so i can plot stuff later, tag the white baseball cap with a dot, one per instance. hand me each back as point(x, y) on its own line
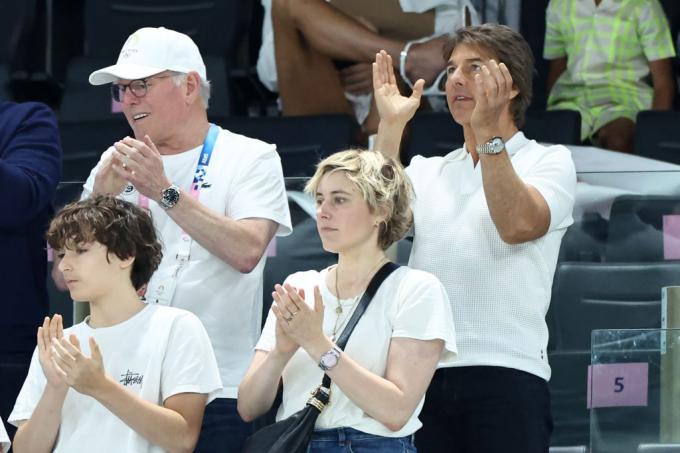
point(149, 51)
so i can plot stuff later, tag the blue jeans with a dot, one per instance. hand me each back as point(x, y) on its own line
point(349, 440)
point(222, 431)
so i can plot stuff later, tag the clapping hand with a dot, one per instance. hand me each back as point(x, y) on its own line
point(300, 322)
point(51, 330)
point(141, 163)
point(284, 344)
point(85, 374)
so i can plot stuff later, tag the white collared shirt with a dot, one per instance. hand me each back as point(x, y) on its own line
point(499, 292)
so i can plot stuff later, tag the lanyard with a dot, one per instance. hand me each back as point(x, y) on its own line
point(199, 176)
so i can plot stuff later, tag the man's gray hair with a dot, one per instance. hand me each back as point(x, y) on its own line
point(180, 77)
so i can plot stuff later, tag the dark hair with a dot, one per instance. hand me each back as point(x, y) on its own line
point(123, 228)
point(506, 46)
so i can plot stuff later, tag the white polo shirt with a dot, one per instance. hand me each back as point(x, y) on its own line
point(499, 293)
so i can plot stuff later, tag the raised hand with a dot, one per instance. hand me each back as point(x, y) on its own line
point(85, 374)
point(493, 91)
point(392, 106)
point(51, 329)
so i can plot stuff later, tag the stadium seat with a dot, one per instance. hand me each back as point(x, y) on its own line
point(301, 141)
point(553, 126)
point(657, 135)
point(432, 134)
point(591, 296)
point(84, 141)
point(635, 231)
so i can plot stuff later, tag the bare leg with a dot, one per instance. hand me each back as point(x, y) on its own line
point(308, 80)
point(340, 37)
point(616, 135)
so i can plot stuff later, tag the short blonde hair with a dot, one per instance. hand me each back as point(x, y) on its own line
point(383, 183)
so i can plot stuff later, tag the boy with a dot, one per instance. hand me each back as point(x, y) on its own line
point(132, 377)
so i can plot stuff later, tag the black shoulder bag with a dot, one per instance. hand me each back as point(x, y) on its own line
point(292, 435)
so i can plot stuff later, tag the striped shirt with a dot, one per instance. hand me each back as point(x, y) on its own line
point(608, 49)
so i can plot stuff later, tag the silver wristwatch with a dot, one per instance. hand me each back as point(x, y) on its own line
point(169, 197)
point(330, 358)
point(493, 146)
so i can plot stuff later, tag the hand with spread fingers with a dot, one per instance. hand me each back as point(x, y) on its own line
point(493, 91)
point(300, 322)
point(140, 163)
point(51, 330)
point(85, 374)
point(392, 106)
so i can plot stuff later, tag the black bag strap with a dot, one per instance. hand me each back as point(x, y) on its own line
point(371, 289)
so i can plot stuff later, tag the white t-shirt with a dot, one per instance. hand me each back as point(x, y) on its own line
point(4, 439)
point(409, 303)
point(499, 293)
point(157, 353)
point(244, 180)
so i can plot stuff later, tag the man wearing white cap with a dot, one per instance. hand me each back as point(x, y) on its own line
point(216, 198)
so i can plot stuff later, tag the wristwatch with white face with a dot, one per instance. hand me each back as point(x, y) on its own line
point(330, 358)
point(493, 146)
point(169, 197)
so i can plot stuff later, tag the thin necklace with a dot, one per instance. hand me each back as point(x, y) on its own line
point(338, 308)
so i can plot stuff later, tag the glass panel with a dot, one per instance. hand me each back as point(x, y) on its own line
point(635, 382)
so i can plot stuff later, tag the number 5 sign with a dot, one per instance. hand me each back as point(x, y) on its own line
point(618, 384)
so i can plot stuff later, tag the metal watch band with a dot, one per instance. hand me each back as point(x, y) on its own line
point(330, 359)
point(169, 197)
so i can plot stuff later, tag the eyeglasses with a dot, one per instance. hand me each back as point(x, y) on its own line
point(137, 87)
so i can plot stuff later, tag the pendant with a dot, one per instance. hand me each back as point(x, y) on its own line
point(338, 309)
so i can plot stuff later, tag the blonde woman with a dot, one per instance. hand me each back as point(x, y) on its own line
point(379, 380)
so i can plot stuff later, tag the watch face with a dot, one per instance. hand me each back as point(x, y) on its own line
point(170, 197)
point(329, 360)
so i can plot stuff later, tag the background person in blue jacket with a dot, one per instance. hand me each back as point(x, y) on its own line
point(30, 167)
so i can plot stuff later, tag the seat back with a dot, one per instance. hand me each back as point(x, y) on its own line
point(553, 126)
point(635, 231)
point(84, 142)
point(301, 141)
point(213, 25)
point(590, 296)
point(657, 135)
point(432, 134)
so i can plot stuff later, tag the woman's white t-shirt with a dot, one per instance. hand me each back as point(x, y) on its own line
point(410, 303)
